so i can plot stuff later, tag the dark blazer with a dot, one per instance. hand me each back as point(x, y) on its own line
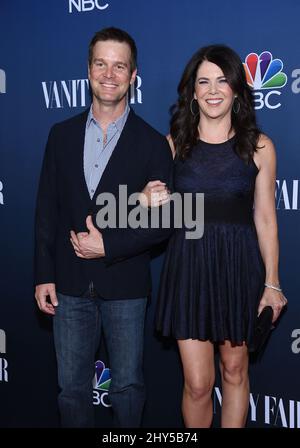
point(63, 203)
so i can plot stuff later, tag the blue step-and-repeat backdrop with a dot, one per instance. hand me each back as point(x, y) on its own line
point(43, 80)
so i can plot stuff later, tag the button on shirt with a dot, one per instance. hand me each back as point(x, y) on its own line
point(97, 152)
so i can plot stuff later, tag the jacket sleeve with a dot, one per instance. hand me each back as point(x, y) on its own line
point(128, 242)
point(46, 216)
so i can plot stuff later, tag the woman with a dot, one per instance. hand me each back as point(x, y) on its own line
point(213, 288)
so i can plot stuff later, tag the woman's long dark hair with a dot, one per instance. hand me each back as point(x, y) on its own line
point(184, 123)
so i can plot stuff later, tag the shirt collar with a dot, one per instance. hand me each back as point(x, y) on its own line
point(119, 123)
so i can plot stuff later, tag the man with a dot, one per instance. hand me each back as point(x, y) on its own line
point(93, 281)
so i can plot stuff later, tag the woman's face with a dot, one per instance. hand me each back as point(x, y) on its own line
point(212, 91)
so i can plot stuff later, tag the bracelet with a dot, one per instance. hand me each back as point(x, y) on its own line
point(277, 288)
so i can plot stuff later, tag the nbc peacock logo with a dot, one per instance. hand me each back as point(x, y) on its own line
point(102, 376)
point(101, 383)
point(263, 72)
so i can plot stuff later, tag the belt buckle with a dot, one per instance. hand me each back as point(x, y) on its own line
point(92, 290)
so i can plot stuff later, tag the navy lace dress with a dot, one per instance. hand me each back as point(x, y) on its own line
point(210, 287)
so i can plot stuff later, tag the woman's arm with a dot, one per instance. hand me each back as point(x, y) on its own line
point(170, 141)
point(266, 223)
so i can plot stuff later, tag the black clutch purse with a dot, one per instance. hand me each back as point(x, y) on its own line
point(262, 328)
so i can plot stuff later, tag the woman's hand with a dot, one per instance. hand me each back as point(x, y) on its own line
point(154, 194)
point(272, 298)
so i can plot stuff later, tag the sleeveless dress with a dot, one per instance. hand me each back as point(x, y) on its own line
point(210, 287)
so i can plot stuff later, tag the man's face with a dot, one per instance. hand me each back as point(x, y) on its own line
point(110, 72)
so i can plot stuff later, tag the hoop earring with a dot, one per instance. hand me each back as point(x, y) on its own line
point(191, 108)
point(236, 105)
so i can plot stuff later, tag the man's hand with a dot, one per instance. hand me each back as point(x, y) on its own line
point(88, 244)
point(41, 293)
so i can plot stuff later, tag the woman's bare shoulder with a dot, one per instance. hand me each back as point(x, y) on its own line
point(171, 143)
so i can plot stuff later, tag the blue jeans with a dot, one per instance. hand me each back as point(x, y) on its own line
point(78, 324)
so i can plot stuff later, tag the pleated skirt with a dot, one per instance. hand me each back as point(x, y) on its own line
point(210, 288)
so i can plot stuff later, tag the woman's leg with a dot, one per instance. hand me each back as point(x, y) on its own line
point(199, 376)
point(235, 385)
